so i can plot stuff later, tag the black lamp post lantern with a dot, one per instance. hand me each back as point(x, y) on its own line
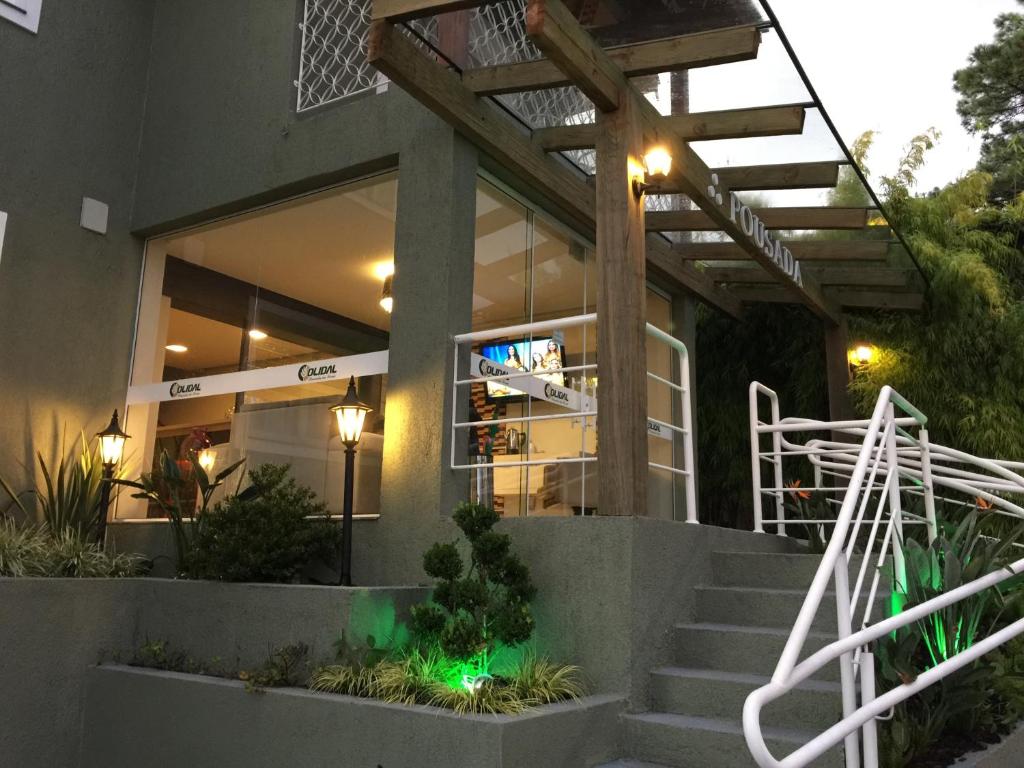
point(111, 448)
point(351, 413)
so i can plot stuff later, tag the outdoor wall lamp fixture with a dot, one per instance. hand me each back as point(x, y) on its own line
point(111, 448)
point(657, 165)
point(861, 355)
point(387, 302)
point(351, 413)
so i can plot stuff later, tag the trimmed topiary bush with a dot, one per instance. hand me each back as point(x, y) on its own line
point(473, 611)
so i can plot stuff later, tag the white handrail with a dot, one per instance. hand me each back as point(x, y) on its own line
point(579, 404)
point(886, 457)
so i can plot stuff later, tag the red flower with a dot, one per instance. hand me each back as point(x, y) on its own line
point(795, 485)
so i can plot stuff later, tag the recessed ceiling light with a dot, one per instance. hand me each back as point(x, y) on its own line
point(176, 348)
point(257, 335)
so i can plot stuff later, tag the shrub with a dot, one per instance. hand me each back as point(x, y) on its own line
point(33, 551)
point(172, 491)
point(471, 612)
point(268, 535)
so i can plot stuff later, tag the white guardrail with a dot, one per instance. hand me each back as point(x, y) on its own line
point(883, 461)
point(573, 390)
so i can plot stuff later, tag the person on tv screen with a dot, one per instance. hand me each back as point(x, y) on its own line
point(552, 361)
point(513, 360)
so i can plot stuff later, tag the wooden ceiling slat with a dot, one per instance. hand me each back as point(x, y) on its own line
point(402, 10)
point(765, 177)
point(786, 120)
point(678, 53)
point(853, 298)
point(805, 250)
point(871, 277)
point(773, 218)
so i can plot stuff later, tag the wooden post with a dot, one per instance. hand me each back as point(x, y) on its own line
point(837, 373)
point(621, 313)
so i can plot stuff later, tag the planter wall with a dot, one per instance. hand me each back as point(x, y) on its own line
point(52, 630)
point(167, 720)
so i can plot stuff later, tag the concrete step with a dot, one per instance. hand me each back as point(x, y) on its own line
point(774, 570)
point(733, 648)
point(630, 764)
point(778, 608)
point(709, 693)
point(681, 741)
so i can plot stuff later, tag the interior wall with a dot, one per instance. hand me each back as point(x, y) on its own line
point(72, 100)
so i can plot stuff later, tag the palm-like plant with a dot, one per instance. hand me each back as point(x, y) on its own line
point(171, 490)
point(69, 498)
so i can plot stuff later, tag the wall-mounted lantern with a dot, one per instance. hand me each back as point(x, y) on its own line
point(657, 166)
point(861, 355)
point(387, 302)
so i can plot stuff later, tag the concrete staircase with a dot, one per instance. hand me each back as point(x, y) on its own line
point(740, 623)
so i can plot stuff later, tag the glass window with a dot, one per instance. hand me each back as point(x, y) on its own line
point(281, 300)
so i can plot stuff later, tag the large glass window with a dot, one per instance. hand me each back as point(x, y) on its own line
point(248, 329)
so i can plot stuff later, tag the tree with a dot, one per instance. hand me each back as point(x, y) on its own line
point(991, 103)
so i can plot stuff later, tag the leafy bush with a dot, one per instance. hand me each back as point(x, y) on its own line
point(34, 551)
point(471, 612)
point(172, 490)
point(418, 677)
point(266, 535)
point(70, 496)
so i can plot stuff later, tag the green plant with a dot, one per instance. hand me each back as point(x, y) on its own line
point(414, 676)
point(70, 496)
point(157, 654)
point(34, 551)
point(472, 611)
point(268, 535)
point(801, 504)
point(171, 490)
point(287, 666)
point(957, 556)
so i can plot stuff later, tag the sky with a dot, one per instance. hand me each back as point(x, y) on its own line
point(888, 65)
point(884, 65)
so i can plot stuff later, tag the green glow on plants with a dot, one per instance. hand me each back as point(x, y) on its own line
point(468, 675)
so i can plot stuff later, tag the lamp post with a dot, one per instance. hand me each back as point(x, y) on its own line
point(351, 413)
point(111, 447)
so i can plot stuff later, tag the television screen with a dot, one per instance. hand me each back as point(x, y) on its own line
point(545, 357)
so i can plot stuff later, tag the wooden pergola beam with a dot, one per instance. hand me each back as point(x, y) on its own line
point(805, 250)
point(671, 55)
point(589, 65)
point(848, 276)
point(556, 33)
point(661, 260)
point(441, 91)
point(403, 10)
point(853, 298)
point(481, 123)
point(773, 218)
point(785, 120)
point(764, 177)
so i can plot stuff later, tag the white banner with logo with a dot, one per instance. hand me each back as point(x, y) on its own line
point(537, 386)
point(367, 364)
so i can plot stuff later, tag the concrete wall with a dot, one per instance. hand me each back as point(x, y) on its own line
point(72, 101)
point(162, 719)
point(52, 630)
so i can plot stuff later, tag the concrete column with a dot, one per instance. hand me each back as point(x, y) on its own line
point(433, 293)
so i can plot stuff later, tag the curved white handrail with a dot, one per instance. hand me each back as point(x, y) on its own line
point(888, 459)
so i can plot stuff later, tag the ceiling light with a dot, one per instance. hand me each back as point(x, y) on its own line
point(176, 348)
point(257, 335)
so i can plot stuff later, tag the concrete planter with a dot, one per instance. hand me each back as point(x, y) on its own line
point(165, 719)
point(52, 630)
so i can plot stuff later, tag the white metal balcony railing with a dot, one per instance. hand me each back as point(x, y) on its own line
point(882, 463)
point(574, 397)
